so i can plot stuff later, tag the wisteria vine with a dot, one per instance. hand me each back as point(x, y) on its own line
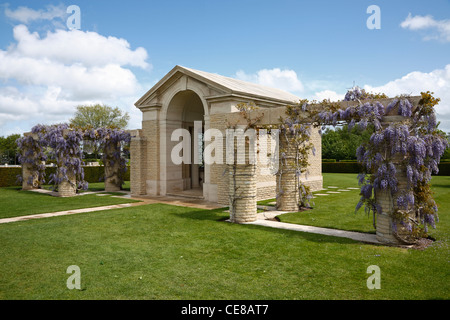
point(412, 141)
point(64, 144)
point(115, 152)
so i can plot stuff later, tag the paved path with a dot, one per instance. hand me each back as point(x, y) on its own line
point(64, 213)
point(358, 236)
point(192, 203)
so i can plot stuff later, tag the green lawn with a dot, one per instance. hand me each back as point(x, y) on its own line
point(338, 210)
point(167, 252)
point(15, 202)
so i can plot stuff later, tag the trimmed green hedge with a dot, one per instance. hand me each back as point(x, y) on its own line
point(8, 175)
point(444, 169)
point(340, 167)
point(353, 167)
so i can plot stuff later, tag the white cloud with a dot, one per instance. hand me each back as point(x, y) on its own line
point(27, 15)
point(68, 47)
point(328, 94)
point(276, 78)
point(437, 81)
point(46, 77)
point(441, 28)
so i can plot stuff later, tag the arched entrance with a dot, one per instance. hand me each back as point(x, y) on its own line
point(185, 111)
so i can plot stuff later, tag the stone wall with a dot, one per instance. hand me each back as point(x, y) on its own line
point(138, 163)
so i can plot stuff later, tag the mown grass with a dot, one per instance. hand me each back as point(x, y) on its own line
point(15, 202)
point(338, 210)
point(160, 251)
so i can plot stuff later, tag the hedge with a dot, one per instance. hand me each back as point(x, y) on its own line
point(340, 167)
point(353, 167)
point(8, 175)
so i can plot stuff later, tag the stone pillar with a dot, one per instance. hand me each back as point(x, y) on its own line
point(30, 178)
point(287, 185)
point(138, 163)
point(113, 181)
point(68, 188)
point(384, 222)
point(242, 186)
point(242, 192)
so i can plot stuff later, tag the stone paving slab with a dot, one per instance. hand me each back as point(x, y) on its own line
point(176, 201)
point(357, 236)
point(64, 213)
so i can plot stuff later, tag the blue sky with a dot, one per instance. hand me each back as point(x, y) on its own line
point(314, 49)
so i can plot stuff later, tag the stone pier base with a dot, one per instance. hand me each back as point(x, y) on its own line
point(242, 192)
point(66, 188)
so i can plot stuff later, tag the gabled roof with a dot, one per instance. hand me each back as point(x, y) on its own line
point(229, 86)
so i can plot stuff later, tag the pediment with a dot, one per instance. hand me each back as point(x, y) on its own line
point(213, 86)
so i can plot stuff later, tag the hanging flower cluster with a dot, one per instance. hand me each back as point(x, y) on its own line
point(32, 156)
point(64, 144)
point(411, 141)
point(114, 143)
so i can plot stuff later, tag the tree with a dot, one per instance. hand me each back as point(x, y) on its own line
point(95, 117)
point(98, 116)
point(8, 148)
point(341, 143)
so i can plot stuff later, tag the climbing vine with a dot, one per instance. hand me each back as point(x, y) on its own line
point(412, 141)
point(295, 134)
point(32, 156)
point(63, 143)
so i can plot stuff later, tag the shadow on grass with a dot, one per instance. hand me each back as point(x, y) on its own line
point(219, 216)
point(440, 185)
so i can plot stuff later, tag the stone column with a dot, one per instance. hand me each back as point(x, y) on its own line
point(30, 178)
point(242, 186)
point(384, 222)
point(113, 181)
point(68, 187)
point(138, 163)
point(287, 185)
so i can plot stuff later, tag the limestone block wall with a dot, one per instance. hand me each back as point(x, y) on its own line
point(67, 188)
point(286, 178)
point(218, 172)
point(384, 221)
point(242, 192)
point(151, 162)
point(314, 178)
point(265, 181)
point(27, 172)
point(112, 179)
point(387, 203)
point(138, 163)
